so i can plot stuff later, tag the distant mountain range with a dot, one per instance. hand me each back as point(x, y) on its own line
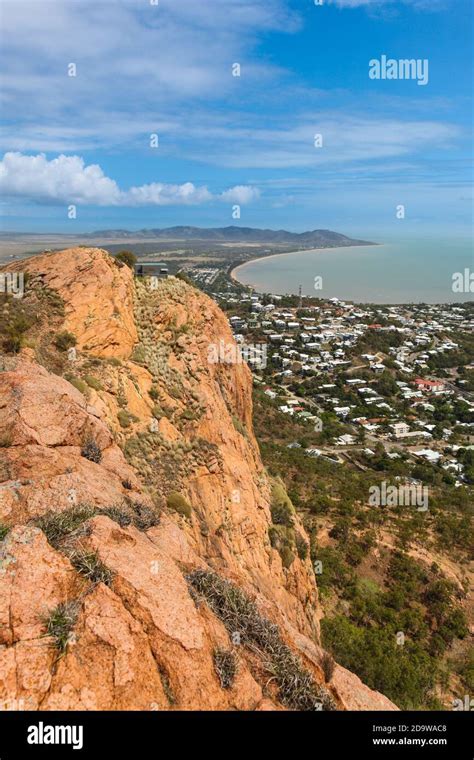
point(316, 238)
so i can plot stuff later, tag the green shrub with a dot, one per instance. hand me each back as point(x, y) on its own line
point(175, 390)
point(283, 540)
point(6, 440)
point(465, 669)
point(185, 278)
point(64, 340)
point(355, 553)
point(13, 327)
point(178, 503)
point(21, 324)
point(281, 508)
point(287, 556)
point(12, 344)
point(189, 414)
point(133, 513)
point(93, 361)
point(274, 536)
point(55, 301)
point(336, 575)
point(225, 665)
point(341, 529)
point(4, 530)
point(282, 515)
point(92, 382)
point(79, 384)
point(127, 257)
point(301, 546)
point(239, 426)
point(125, 418)
point(139, 354)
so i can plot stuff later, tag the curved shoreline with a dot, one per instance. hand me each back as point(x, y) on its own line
point(233, 276)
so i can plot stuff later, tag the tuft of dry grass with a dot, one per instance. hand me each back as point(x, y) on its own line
point(297, 688)
point(57, 525)
point(328, 664)
point(90, 565)
point(59, 622)
point(225, 665)
point(91, 450)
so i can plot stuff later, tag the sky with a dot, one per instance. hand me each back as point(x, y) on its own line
point(132, 112)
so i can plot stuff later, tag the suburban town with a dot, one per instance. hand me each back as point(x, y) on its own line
point(360, 377)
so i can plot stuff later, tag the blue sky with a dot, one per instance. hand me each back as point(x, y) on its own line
point(166, 69)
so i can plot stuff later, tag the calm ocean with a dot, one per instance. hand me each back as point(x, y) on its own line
point(397, 272)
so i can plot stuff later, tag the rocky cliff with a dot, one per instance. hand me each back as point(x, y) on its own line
point(137, 569)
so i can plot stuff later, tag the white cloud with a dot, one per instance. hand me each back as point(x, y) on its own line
point(431, 5)
point(356, 3)
point(346, 140)
point(131, 85)
point(66, 179)
point(170, 74)
point(129, 54)
point(63, 179)
point(160, 194)
point(241, 194)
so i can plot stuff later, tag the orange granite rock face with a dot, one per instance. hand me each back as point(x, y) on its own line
point(165, 418)
point(98, 297)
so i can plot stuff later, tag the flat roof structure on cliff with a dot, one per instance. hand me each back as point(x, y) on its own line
point(151, 269)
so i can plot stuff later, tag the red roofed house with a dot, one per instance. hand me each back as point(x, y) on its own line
point(433, 386)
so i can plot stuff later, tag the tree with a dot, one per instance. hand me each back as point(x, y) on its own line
point(127, 257)
point(386, 385)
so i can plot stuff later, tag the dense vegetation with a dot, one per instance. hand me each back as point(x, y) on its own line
point(393, 638)
point(396, 621)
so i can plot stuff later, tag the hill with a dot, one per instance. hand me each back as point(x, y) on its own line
point(316, 238)
point(136, 514)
